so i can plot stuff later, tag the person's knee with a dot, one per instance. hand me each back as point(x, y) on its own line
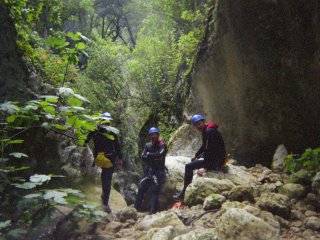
point(188, 167)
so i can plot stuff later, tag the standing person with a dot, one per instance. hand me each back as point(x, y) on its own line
point(107, 154)
point(212, 150)
point(153, 155)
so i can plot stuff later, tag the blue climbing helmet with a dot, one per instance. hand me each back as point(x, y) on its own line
point(153, 130)
point(196, 118)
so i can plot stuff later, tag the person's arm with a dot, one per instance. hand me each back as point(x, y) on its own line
point(198, 153)
point(160, 153)
point(144, 155)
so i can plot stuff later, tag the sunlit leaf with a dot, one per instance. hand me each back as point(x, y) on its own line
point(13, 169)
point(11, 118)
point(9, 107)
point(90, 206)
point(49, 109)
point(93, 117)
point(17, 141)
point(60, 200)
point(79, 108)
point(70, 190)
point(66, 91)
point(73, 200)
point(100, 213)
point(30, 107)
point(74, 122)
point(80, 46)
point(83, 99)
point(64, 109)
point(48, 98)
point(45, 125)
point(60, 127)
point(27, 185)
point(40, 178)
point(5, 224)
point(35, 101)
point(49, 116)
point(57, 196)
point(56, 42)
point(16, 233)
point(73, 101)
point(112, 129)
point(74, 36)
point(109, 136)
point(18, 154)
point(33, 195)
point(89, 126)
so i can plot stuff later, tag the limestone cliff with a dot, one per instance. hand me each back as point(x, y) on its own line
point(258, 76)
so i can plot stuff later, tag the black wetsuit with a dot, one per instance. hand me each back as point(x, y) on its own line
point(107, 142)
point(153, 174)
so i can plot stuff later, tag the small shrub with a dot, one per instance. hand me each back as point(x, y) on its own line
point(309, 160)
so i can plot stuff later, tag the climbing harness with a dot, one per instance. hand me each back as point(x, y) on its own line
point(150, 176)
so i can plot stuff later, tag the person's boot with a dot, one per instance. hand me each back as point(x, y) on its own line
point(179, 196)
point(107, 208)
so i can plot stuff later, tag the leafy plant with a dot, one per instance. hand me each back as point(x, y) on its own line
point(309, 160)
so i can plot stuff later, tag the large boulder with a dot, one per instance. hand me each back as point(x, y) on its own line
point(264, 215)
point(265, 188)
point(185, 141)
point(126, 213)
point(293, 190)
point(203, 187)
point(275, 203)
point(93, 194)
point(313, 223)
point(241, 193)
point(177, 163)
point(74, 225)
point(161, 220)
point(198, 235)
point(214, 201)
point(278, 157)
point(165, 233)
point(239, 224)
point(239, 175)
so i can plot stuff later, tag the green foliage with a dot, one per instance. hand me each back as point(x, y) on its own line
point(104, 80)
point(61, 112)
point(309, 160)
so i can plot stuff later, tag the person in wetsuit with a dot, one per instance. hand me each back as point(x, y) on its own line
point(154, 154)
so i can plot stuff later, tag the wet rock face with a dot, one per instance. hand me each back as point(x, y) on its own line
point(258, 74)
point(12, 71)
